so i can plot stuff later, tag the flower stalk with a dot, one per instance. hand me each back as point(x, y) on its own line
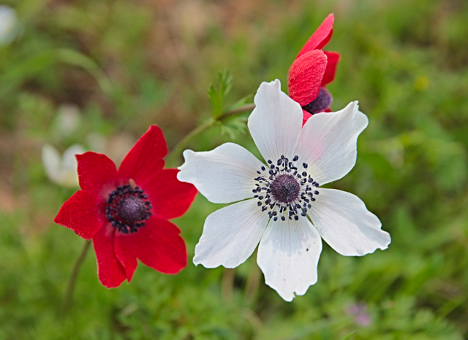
point(67, 301)
point(252, 284)
point(182, 144)
point(227, 284)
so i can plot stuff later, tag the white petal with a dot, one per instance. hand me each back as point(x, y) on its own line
point(51, 162)
point(288, 256)
point(223, 175)
point(230, 235)
point(69, 175)
point(69, 157)
point(344, 222)
point(68, 119)
point(275, 123)
point(8, 23)
point(328, 142)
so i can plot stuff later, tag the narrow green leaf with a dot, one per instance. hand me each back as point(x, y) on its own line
point(350, 335)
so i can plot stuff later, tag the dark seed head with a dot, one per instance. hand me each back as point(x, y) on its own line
point(319, 104)
point(127, 208)
point(285, 188)
point(132, 209)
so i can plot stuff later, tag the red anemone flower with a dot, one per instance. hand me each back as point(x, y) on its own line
point(125, 212)
point(312, 70)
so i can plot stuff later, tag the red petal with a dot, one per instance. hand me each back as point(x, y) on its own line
point(97, 173)
point(81, 213)
point(110, 271)
point(159, 246)
point(305, 76)
point(305, 116)
point(123, 246)
point(332, 61)
point(144, 160)
point(169, 197)
point(320, 37)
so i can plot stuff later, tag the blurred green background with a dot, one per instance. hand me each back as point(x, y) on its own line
point(117, 66)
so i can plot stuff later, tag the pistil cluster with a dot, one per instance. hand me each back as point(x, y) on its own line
point(285, 189)
point(128, 208)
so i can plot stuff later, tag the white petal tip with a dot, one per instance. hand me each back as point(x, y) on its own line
point(188, 154)
point(206, 265)
point(274, 86)
point(289, 296)
point(197, 259)
point(354, 105)
point(388, 241)
point(384, 246)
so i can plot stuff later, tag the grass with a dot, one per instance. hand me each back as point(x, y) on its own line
point(126, 65)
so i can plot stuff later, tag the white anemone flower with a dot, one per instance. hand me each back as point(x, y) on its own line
point(280, 204)
point(62, 170)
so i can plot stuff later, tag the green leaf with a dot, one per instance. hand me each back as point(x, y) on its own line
point(75, 58)
point(248, 99)
point(219, 92)
point(233, 126)
point(350, 335)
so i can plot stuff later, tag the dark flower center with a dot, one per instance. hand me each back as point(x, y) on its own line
point(128, 208)
point(319, 104)
point(285, 188)
point(132, 209)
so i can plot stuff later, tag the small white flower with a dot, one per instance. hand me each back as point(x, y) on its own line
point(8, 24)
point(67, 120)
point(276, 198)
point(61, 170)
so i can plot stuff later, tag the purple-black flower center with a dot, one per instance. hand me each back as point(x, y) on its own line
point(285, 188)
point(132, 209)
point(128, 208)
point(321, 103)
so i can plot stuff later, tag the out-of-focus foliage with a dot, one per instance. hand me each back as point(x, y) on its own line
point(127, 64)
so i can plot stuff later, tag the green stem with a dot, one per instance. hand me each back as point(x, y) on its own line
point(233, 112)
point(182, 144)
point(67, 301)
point(227, 284)
point(252, 284)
